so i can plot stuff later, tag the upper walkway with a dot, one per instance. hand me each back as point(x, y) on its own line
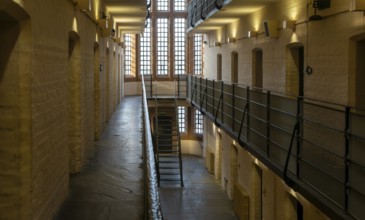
point(111, 185)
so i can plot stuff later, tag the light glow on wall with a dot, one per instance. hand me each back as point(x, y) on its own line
point(74, 25)
point(294, 38)
point(97, 8)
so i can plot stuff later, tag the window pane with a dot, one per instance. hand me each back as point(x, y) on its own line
point(179, 37)
point(198, 122)
point(129, 63)
point(145, 52)
point(182, 119)
point(179, 5)
point(162, 46)
point(162, 5)
point(198, 54)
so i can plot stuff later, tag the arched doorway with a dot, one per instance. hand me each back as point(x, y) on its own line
point(219, 67)
point(74, 79)
point(107, 85)
point(257, 73)
point(234, 168)
point(16, 166)
point(357, 72)
point(295, 70)
point(97, 71)
point(234, 67)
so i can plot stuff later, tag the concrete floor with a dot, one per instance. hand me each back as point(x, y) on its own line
point(201, 198)
point(110, 185)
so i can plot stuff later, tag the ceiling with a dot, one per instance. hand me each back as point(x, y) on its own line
point(128, 15)
point(230, 13)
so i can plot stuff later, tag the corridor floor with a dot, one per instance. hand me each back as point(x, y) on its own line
point(110, 186)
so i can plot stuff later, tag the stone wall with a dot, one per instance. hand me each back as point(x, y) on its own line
point(52, 101)
point(268, 195)
point(325, 42)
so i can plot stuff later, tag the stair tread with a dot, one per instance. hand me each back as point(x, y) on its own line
point(168, 161)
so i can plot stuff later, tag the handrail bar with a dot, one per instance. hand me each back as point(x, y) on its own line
point(152, 200)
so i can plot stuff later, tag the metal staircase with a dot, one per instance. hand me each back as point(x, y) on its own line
point(167, 142)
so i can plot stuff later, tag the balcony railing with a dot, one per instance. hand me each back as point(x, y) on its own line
point(152, 201)
point(199, 10)
point(173, 89)
point(318, 148)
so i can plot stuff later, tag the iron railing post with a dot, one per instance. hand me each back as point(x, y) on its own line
point(347, 157)
point(268, 106)
point(233, 106)
point(299, 134)
point(248, 114)
point(222, 101)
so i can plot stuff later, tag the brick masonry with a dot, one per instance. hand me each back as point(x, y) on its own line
point(48, 103)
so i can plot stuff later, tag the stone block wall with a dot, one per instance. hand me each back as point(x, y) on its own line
point(325, 42)
point(50, 79)
point(268, 195)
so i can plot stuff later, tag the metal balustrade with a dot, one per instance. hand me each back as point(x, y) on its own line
point(152, 200)
point(166, 88)
point(318, 148)
point(199, 10)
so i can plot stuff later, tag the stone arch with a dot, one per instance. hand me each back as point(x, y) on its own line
point(15, 102)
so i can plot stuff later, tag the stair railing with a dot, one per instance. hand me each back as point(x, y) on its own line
point(156, 136)
point(178, 138)
point(151, 200)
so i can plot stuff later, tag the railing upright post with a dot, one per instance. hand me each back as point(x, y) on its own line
point(206, 97)
point(151, 88)
point(222, 108)
point(299, 134)
point(268, 106)
point(213, 96)
point(233, 106)
point(248, 114)
point(347, 156)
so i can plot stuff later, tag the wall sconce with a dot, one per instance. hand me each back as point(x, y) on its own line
point(83, 5)
point(251, 34)
point(231, 40)
point(288, 24)
point(217, 44)
point(319, 5)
